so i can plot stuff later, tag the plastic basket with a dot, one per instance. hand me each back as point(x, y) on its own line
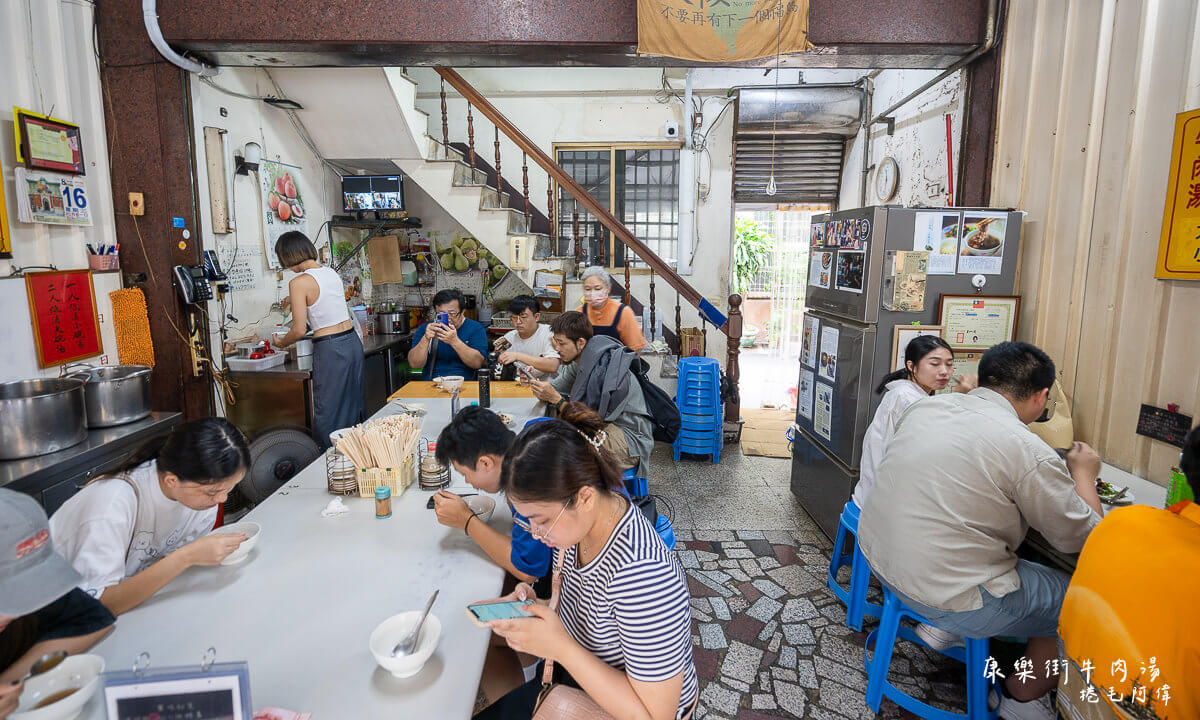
point(398, 479)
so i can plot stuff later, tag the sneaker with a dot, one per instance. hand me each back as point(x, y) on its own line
point(1011, 709)
point(936, 638)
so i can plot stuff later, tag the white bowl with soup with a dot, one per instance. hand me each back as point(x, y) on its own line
point(250, 529)
point(983, 243)
point(61, 693)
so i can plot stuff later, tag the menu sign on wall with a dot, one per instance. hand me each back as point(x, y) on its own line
point(66, 326)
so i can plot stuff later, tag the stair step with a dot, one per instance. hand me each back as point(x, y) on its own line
point(491, 199)
point(406, 77)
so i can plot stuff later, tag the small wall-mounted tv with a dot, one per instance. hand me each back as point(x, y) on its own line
point(372, 192)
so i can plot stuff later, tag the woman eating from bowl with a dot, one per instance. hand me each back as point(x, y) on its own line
point(608, 315)
point(131, 533)
point(622, 628)
point(318, 301)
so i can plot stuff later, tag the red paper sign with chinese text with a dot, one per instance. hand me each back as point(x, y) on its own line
point(62, 308)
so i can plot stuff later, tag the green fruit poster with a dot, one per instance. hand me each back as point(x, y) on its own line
point(283, 204)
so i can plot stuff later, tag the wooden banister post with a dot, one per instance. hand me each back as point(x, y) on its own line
point(678, 328)
point(499, 177)
point(445, 119)
point(626, 256)
point(550, 214)
point(575, 236)
point(525, 183)
point(653, 331)
point(733, 411)
point(471, 140)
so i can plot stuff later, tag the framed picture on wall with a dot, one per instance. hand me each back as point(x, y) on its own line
point(46, 143)
point(965, 363)
point(902, 335)
point(977, 322)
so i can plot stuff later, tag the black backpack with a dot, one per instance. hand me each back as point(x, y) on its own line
point(663, 412)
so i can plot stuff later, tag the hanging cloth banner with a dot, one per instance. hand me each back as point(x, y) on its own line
point(722, 30)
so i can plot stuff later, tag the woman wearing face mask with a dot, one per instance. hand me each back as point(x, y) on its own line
point(608, 315)
point(622, 628)
point(131, 533)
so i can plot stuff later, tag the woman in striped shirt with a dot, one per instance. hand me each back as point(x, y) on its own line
point(622, 632)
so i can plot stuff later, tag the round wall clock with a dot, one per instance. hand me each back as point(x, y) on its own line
point(887, 179)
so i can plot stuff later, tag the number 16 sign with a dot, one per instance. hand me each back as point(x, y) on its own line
point(53, 198)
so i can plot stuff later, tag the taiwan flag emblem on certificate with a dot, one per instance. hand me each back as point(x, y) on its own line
point(977, 304)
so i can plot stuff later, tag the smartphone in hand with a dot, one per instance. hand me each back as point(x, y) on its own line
point(485, 612)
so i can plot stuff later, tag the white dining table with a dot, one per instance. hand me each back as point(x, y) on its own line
point(300, 609)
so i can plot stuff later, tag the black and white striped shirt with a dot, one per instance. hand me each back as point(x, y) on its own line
point(630, 606)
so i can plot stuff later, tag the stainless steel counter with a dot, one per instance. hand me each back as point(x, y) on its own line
point(53, 478)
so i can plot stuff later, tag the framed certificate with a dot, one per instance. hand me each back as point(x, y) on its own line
point(977, 322)
point(902, 335)
point(220, 691)
point(965, 363)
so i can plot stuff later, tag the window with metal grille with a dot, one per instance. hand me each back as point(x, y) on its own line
point(638, 183)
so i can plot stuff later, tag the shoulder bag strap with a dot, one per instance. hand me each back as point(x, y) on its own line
point(555, 589)
point(137, 504)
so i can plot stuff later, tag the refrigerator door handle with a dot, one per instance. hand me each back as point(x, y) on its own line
point(815, 442)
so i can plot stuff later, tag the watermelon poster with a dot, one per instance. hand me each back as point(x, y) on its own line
point(283, 204)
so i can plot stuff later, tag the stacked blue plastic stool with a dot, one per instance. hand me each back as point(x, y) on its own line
point(698, 397)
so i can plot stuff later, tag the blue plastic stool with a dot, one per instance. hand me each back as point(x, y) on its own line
point(877, 661)
point(855, 597)
point(634, 485)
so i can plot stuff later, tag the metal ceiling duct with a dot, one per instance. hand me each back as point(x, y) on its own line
point(810, 124)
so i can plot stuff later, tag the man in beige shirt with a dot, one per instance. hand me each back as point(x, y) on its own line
point(961, 483)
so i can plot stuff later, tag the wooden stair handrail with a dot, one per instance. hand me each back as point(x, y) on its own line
point(560, 176)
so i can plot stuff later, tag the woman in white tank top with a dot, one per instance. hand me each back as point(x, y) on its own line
point(317, 299)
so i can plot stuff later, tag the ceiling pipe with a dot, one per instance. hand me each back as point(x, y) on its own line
point(989, 41)
point(150, 16)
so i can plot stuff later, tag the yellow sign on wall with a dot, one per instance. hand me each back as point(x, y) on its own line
point(722, 30)
point(1179, 246)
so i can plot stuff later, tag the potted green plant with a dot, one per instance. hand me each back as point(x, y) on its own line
point(751, 254)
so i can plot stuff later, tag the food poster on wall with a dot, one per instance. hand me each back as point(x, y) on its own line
point(981, 249)
point(283, 204)
point(804, 394)
point(938, 233)
point(850, 270)
point(829, 353)
point(52, 198)
point(820, 270)
point(808, 348)
point(823, 410)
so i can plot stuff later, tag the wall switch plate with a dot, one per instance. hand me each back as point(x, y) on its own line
point(137, 204)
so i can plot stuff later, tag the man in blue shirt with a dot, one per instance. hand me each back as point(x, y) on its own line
point(476, 441)
point(461, 344)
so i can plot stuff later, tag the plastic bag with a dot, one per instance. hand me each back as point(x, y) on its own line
point(670, 367)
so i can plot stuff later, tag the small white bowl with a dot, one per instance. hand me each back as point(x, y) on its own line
point(252, 531)
point(481, 505)
point(449, 383)
point(77, 671)
point(391, 631)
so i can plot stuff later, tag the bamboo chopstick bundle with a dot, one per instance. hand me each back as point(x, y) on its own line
point(383, 443)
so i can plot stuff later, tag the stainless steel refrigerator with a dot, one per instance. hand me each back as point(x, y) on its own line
point(848, 331)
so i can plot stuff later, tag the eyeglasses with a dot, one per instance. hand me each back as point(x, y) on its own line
point(455, 314)
point(523, 318)
point(538, 534)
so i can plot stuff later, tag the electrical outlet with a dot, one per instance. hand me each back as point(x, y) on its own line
point(137, 204)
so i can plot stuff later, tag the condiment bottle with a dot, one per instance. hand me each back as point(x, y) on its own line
point(383, 502)
point(484, 376)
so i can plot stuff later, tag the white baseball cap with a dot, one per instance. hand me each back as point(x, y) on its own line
point(32, 575)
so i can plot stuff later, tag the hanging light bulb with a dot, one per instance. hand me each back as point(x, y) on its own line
point(771, 189)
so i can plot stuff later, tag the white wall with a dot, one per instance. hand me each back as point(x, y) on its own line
point(1088, 98)
point(252, 120)
point(49, 67)
point(918, 144)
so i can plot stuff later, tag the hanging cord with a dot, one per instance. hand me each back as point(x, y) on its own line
point(771, 187)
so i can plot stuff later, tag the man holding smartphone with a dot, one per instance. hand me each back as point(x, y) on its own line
point(530, 343)
point(461, 343)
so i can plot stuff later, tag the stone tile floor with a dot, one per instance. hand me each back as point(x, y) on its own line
point(770, 639)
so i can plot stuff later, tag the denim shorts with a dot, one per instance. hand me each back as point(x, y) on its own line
point(1029, 611)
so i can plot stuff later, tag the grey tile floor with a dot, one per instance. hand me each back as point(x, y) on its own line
point(770, 639)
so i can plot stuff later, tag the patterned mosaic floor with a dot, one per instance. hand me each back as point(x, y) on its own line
point(770, 639)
